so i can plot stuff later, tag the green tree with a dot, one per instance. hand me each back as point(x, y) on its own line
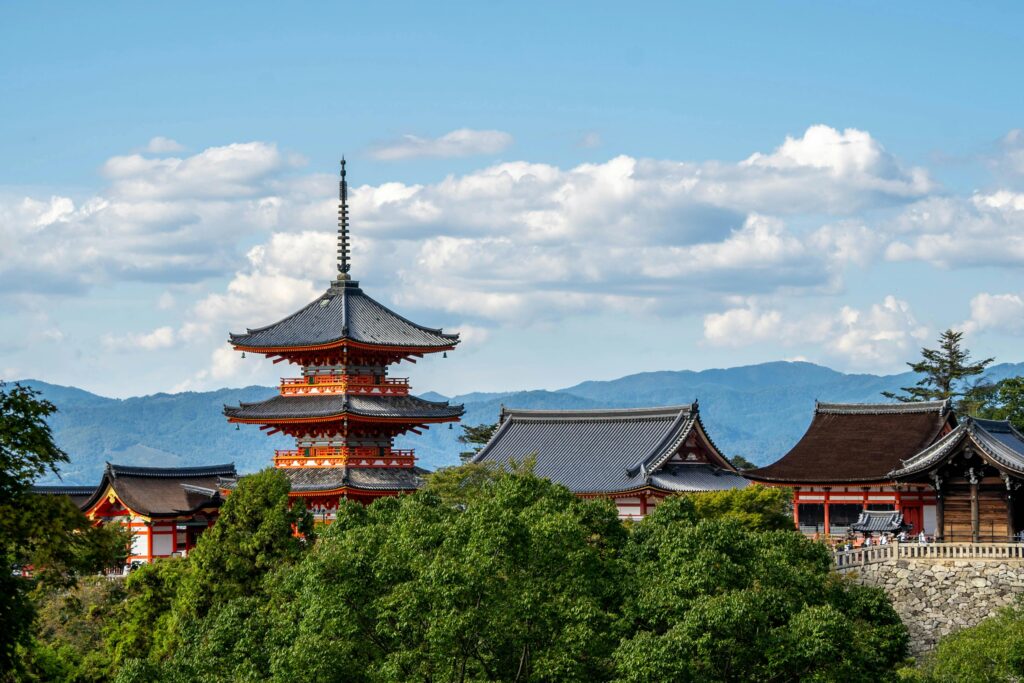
point(258, 529)
point(991, 651)
point(755, 508)
point(944, 371)
point(711, 600)
point(478, 435)
point(45, 533)
point(1004, 401)
point(143, 617)
point(741, 463)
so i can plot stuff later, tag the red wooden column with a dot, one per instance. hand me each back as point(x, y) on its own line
point(796, 513)
point(643, 505)
point(828, 519)
point(149, 541)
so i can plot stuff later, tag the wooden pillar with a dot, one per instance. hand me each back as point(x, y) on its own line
point(828, 519)
point(643, 505)
point(149, 541)
point(1010, 531)
point(796, 513)
point(940, 516)
point(975, 522)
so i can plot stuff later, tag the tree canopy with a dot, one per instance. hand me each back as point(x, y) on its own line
point(944, 370)
point(490, 574)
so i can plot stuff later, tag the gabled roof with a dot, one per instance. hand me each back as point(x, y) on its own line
point(311, 479)
point(858, 442)
point(996, 439)
point(344, 313)
point(608, 451)
point(77, 494)
point(285, 408)
point(878, 521)
point(163, 491)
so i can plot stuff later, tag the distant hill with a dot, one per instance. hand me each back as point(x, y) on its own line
point(758, 411)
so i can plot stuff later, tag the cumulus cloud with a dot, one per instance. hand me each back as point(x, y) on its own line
point(997, 312)
point(984, 230)
point(160, 338)
point(463, 142)
point(162, 145)
point(878, 336)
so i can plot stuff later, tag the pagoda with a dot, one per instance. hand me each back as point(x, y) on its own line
point(344, 409)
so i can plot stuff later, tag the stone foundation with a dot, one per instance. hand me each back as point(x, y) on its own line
point(937, 597)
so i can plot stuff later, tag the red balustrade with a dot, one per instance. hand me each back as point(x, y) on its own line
point(366, 385)
point(341, 456)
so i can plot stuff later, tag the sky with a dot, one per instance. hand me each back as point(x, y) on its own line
point(582, 190)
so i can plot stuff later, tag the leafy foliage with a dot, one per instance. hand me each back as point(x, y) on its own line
point(478, 435)
point(944, 371)
point(494, 574)
point(741, 463)
point(1002, 401)
point(714, 601)
point(991, 651)
point(757, 508)
point(44, 534)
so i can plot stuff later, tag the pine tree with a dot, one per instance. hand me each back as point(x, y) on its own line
point(944, 371)
point(478, 435)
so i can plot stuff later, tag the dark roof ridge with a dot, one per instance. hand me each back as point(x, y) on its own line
point(881, 408)
point(344, 288)
point(664, 412)
point(59, 489)
point(170, 472)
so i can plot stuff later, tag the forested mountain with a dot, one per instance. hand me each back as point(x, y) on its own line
point(758, 411)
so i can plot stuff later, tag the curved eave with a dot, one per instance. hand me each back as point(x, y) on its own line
point(340, 343)
point(355, 417)
point(350, 489)
point(997, 453)
point(747, 474)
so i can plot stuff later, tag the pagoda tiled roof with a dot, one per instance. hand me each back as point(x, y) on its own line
point(344, 313)
point(879, 521)
point(858, 442)
point(163, 491)
point(997, 440)
point(312, 479)
point(338, 405)
point(610, 451)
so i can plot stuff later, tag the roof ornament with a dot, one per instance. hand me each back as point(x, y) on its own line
point(343, 252)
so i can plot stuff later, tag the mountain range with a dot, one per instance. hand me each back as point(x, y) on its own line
point(757, 411)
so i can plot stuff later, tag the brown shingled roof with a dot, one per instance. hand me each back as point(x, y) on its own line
point(858, 442)
point(163, 491)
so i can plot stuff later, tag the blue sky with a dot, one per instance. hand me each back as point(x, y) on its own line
point(584, 190)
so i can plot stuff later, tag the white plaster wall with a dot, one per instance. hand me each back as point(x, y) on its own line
point(163, 544)
point(929, 519)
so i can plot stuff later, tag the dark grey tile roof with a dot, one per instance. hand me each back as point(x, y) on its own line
point(306, 479)
point(996, 439)
point(607, 451)
point(78, 494)
point(941, 407)
point(286, 407)
point(878, 521)
point(344, 312)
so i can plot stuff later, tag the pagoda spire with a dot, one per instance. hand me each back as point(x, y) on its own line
point(343, 248)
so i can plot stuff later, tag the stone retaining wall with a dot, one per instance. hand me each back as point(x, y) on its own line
point(937, 597)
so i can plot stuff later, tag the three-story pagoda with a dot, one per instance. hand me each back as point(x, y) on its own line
point(344, 409)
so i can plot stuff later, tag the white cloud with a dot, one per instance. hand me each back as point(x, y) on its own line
point(160, 338)
point(997, 312)
point(875, 338)
point(162, 145)
point(463, 142)
point(985, 230)
point(589, 140)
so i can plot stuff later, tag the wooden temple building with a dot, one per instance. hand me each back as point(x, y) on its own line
point(344, 409)
point(843, 464)
point(975, 471)
point(166, 508)
point(635, 456)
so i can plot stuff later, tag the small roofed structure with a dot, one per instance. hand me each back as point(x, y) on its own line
point(879, 522)
point(166, 508)
point(976, 470)
point(635, 456)
point(841, 466)
point(77, 494)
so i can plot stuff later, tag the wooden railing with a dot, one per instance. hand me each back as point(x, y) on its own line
point(858, 557)
point(366, 385)
point(339, 456)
